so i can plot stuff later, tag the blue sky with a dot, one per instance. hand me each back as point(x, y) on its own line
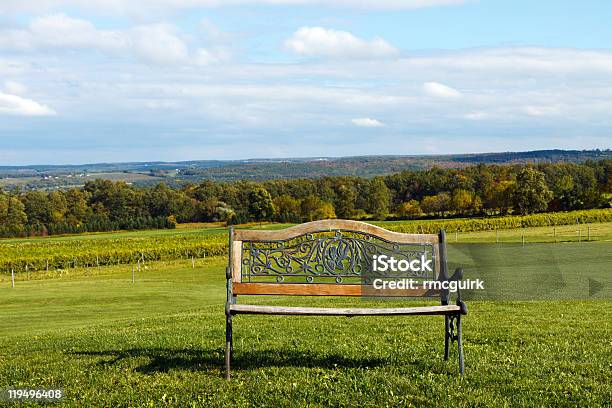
point(116, 80)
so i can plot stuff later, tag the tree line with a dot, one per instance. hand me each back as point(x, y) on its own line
point(480, 190)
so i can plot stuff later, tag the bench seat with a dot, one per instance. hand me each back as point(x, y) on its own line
point(325, 311)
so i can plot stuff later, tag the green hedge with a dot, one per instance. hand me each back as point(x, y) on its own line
point(507, 222)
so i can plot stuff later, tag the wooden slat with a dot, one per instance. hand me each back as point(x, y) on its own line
point(319, 311)
point(330, 225)
point(323, 289)
point(438, 265)
point(236, 261)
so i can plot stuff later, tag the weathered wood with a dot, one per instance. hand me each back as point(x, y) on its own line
point(331, 225)
point(323, 311)
point(438, 261)
point(323, 289)
point(237, 261)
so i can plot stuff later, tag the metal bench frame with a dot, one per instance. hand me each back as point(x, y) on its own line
point(332, 250)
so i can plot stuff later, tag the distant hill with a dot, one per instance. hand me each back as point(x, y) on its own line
point(173, 173)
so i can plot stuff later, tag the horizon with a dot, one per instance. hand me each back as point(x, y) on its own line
point(297, 158)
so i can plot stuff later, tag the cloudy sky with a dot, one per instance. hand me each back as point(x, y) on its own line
point(86, 81)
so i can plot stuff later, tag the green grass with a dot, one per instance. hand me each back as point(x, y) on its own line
point(537, 271)
point(159, 342)
point(563, 233)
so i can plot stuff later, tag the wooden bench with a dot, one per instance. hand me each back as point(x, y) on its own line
point(335, 258)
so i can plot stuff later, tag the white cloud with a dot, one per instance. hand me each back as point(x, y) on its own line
point(512, 61)
point(14, 87)
point(439, 90)
point(16, 105)
point(241, 99)
point(158, 44)
point(60, 30)
point(162, 7)
point(152, 43)
point(542, 110)
point(319, 41)
point(477, 115)
point(367, 122)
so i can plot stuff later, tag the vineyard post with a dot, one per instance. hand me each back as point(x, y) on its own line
point(47, 265)
point(578, 223)
point(139, 264)
point(555, 233)
point(133, 277)
point(523, 236)
point(192, 262)
point(12, 278)
point(97, 261)
point(496, 235)
point(588, 232)
point(457, 235)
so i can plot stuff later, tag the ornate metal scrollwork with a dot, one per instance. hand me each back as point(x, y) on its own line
point(452, 329)
point(337, 256)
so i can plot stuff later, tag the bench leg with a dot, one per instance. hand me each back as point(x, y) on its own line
point(229, 347)
point(447, 337)
point(460, 345)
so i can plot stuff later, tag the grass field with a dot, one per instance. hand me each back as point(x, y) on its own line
point(72, 180)
point(159, 341)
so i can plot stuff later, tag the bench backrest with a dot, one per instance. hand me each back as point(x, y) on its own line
point(328, 258)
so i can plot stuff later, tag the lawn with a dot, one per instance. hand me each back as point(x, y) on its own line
point(159, 341)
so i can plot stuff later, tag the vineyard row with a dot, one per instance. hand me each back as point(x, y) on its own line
point(53, 255)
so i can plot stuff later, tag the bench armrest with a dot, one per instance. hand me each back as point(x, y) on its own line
point(457, 276)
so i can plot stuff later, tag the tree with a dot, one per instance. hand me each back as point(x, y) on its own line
point(287, 208)
point(119, 201)
point(261, 206)
point(325, 211)
point(226, 213)
point(36, 205)
point(409, 209)
point(345, 201)
point(499, 196)
point(171, 219)
point(531, 193)
point(313, 208)
point(12, 216)
point(58, 207)
point(76, 203)
point(206, 190)
point(574, 186)
point(465, 202)
point(437, 204)
point(378, 197)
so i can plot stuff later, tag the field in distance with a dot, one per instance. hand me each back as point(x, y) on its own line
point(30, 255)
point(174, 173)
point(601, 231)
